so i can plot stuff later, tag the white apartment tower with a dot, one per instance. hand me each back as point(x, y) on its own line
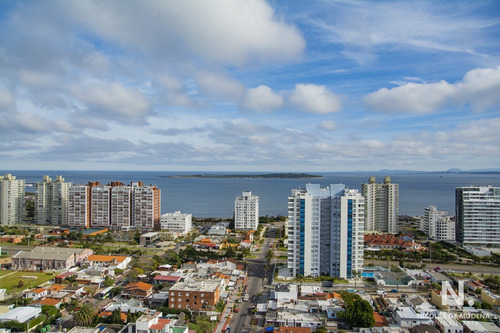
point(177, 222)
point(246, 211)
point(11, 200)
point(325, 231)
point(431, 219)
point(100, 206)
point(51, 201)
point(79, 207)
point(146, 210)
point(121, 203)
point(477, 211)
point(382, 205)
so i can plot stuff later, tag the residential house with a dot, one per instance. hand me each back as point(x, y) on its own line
point(138, 290)
point(36, 293)
point(447, 324)
point(406, 317)
point(471, 326)
point(113, 262)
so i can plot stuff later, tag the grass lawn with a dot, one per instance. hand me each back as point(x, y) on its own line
point(10, 280)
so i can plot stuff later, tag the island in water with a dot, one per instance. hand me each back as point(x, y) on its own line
point(266, 175)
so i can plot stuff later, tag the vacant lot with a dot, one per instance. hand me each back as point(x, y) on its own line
point(10, 280)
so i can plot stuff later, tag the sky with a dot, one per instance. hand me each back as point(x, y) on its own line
point(227, 85)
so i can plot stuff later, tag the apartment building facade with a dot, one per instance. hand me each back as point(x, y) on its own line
point(195, 295)
point(477, 211)
point(51, 201)
point(11, 199)
point(325, 231)
point(246, 211)
point(115, 206)
point(381, 205)
point(177, 222)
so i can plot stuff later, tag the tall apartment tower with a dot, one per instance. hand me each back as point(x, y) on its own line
point(246, 211)
point(51, 201)
point(325, 231)
point(79, 206)
point(100, 206)
point(382, 205)
point(146, 207)
point(11, 200)
point(121, 203)
point(431, 220)
point(477, 211)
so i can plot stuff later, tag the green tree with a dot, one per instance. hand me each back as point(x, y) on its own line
point(108, 282)
point(358, 312)
point(355, 275)
point(85, 315)
point(204, 324)
point(115, 317)
point(269, 256)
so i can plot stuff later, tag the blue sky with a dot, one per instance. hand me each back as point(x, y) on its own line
point(249, 85)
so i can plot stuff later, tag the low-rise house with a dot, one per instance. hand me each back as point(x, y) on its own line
point(170, 279)
point(407, 317)
point(424, 328)
point(36, 293)
point(63, 276)
point(491, 298)
point(445, 303)
point(420, 305)
point(47, 301)
point(74, 291)
point(152, 322)
point(291, 329)
point(294, 319)
point(55, 288)
point(471, 326)
point(21, 314)
point(447, 324)
point(140, 290)
point(112, 262)
point(132, 305)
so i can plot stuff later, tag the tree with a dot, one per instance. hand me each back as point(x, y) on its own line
point(204, 324)
point(108, 282)
point(115, 317)
point(355, 274)
point(85, 315)
point(358, 312)
point(269, 256)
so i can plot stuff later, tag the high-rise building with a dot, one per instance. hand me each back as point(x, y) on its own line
point(100, 206)
point(325, 231)
point(445, 229)
point(79, 206)
point(121, 203)
point(115, 206)
point(11, 199)
point(246, 211)
point(430, 221)
point(381, 204)
point(477, 210)
point(146, 207)
point(177, 222)
point(51, 201)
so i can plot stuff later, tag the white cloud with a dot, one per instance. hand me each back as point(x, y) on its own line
point(411, 98)
point(220, 86)
point(262, 99)
point(479, 88)
point(328, 125)
point(234, 32)
point(114, 99)
point(315, 99)
point(362, 26)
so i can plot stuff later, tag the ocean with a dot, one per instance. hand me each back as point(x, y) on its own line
point(214, 197)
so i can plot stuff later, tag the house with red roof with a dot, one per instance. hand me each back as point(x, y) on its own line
point(170, 279)
point(36, 293)
point(139, 290)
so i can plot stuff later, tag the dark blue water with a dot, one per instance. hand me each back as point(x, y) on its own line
point(214, 197)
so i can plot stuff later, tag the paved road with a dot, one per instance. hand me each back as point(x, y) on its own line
point(257, 278)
